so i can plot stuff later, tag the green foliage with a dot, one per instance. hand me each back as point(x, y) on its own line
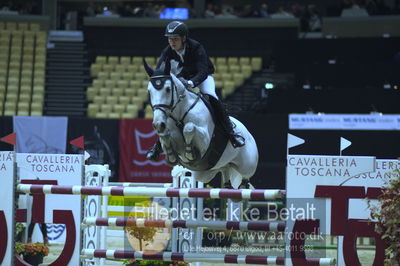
point(19, 227)
point(388, 219)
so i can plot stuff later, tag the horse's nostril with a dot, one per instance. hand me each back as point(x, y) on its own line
point(159, 126)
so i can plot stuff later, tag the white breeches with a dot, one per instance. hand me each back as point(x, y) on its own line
point(208, 86)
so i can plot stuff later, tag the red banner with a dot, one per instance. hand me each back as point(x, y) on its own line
point(136, 136)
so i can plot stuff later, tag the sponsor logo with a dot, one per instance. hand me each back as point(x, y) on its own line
point(139, 137)
point(55, 231)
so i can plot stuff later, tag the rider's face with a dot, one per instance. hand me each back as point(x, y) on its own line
point(176, 42)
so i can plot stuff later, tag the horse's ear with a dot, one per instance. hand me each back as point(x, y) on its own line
point(167, 68)
point(148, 69)
point(178, 83)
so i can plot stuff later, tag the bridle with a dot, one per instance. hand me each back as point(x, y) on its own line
point(158, 83)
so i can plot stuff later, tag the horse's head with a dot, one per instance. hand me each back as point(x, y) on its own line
point(165, 91)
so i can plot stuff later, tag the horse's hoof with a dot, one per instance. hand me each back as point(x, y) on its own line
point(246, 184)
point(171, 159)
point(171, 164)
point(228, 185)
point(191, 153)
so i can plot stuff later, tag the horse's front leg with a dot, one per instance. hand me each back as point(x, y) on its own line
point(189, 132)
point(195, 141)
point(169, 152)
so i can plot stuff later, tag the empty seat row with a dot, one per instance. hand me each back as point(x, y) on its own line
point(114, 111)
point(21, 26)
point(22, 68)
point(118, 77)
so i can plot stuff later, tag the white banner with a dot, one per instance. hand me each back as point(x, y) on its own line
point(314, 121)
point(305, 172)
point(41, 134)
point(384, 172)
point(64, 169)
point(369, 122)
point(7, 206)
point(344, 122)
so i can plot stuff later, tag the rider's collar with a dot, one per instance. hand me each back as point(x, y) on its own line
point(159, 81)
point(181, 52)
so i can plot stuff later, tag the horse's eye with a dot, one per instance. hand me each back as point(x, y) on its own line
point(168, 89)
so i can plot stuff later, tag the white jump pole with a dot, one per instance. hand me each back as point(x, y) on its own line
point(265, 226)
point(154, 192)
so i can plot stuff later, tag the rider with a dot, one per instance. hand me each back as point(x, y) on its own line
point(190, 63)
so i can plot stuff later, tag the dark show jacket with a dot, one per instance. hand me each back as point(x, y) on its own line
point(196, 66)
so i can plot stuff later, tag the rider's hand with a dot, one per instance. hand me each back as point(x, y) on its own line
point(187, 83)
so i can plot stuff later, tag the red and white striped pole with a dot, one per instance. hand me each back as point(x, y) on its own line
point(198, 257)
point(216, 193)
point(216, 225)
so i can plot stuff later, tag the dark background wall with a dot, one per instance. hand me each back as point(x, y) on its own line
point(149, 41)
point(382, 144)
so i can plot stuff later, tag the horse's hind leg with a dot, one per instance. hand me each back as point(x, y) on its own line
point(225, 181)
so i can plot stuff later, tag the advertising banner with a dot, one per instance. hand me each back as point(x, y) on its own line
point(385, 170)
point(338, 186)
point(60, 169)
point(306, 172)
point(136, 137)
point(6, 207)
point(344, 121)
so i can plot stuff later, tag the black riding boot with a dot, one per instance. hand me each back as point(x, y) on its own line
point(154, 153)
point(222, 116)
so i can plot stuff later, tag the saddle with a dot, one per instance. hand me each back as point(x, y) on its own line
point(218, 142)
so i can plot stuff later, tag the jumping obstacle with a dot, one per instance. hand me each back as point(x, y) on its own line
point(154, 192)
point(217, 225)
point(196, 257)
point(131, 184)
point(183, 192)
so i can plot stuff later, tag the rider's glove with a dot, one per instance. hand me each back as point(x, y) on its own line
point(187, 83)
